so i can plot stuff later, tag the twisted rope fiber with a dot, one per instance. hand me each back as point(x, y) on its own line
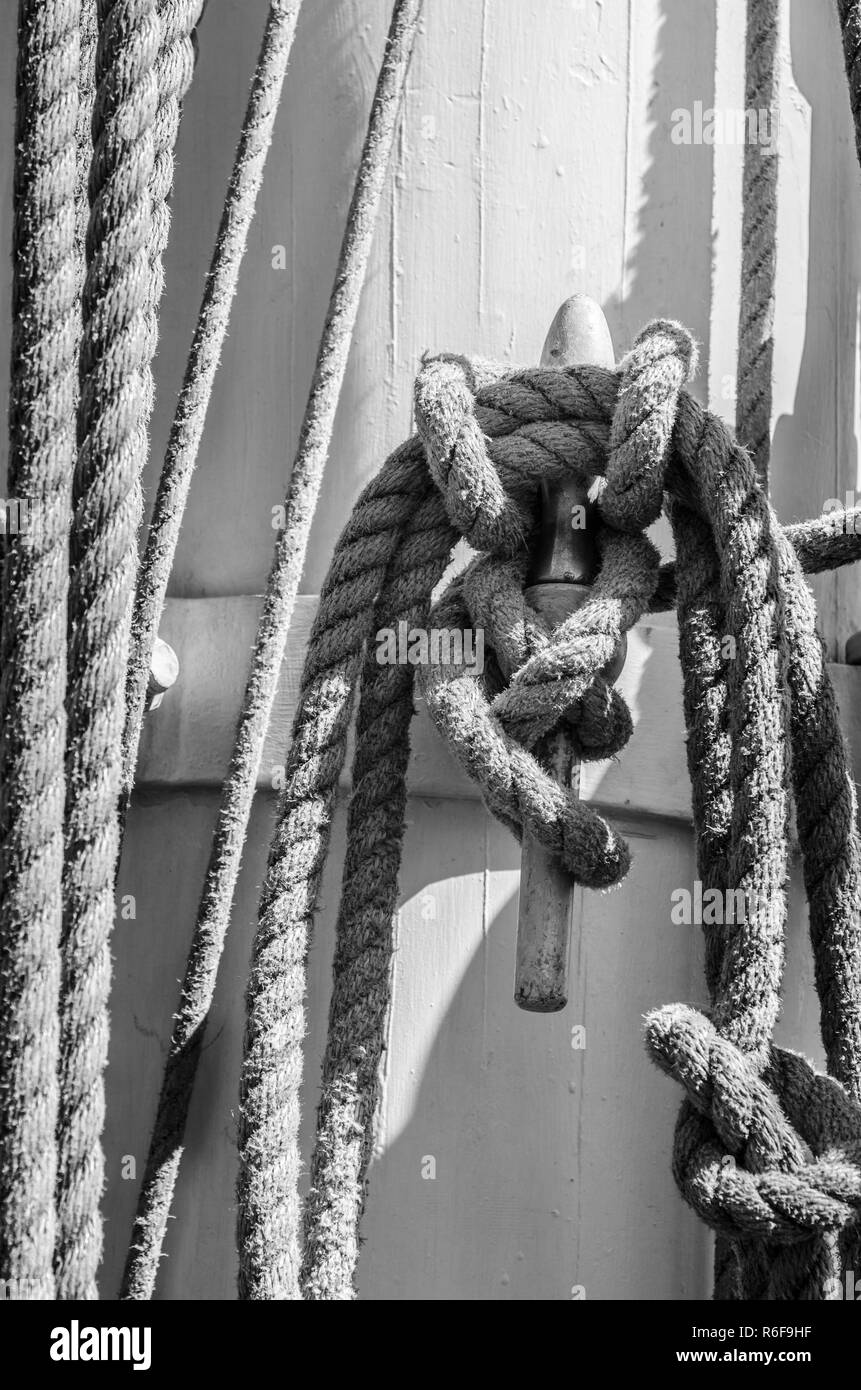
point(756, 306)
point(267, 1222)
point(174, 71)
point(33, 682)
point(488, 437)
point(282, 585)
point(399, 528)
point(758, 234)
point(111, 432)
point(203, 358)
point(750, 962)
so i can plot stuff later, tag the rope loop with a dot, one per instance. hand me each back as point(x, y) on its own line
point(490, 436)
point(777, 1155)
point(767, 1150)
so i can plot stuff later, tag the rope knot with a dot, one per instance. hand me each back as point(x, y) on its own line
point(773, 1156)
point(491, 436)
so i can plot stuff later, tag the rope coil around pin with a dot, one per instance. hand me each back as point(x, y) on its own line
point(751, 1160)
point(487, 437)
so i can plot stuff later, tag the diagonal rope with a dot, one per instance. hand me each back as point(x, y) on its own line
point(214, 912)
point(204, 354)
point(45, 333)
point(268, 1212)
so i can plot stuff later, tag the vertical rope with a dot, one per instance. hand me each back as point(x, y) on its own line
point(174, 71)
point(373, 541)
point(755, 333)
point(758, 233)
point(35, 583)
point(111, 450)
point(204, 354)
point(165, 1151)
point(361, 991)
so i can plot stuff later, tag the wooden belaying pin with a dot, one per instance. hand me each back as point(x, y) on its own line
point(563, 565)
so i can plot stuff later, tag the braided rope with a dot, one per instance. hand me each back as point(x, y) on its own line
point(488, 438)
point(758, 233)
point(35, 583)
point(112, 447)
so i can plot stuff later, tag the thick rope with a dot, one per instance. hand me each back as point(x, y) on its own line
point(213, 917)
point(204, 354)
point(488, 438)
point(758, 232)
point(165, 1151)
point(399, 525)
point(267, 1223)
point(174, 71)
point(111, 449)
point(45, 334)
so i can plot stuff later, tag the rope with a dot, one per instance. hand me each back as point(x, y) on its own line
point(849, 15)
point(487, 437)
point(268, 1152)
point(35, 582)
point(111, 450)
point(165, 1150)
point(758, 233)
point(213, 916)
point(207, 342)
point(174, 71)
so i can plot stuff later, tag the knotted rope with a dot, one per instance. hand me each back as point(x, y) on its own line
point(46, 326)
point(486, 438)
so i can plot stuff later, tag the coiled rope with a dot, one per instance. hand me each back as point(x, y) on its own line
point(46, 323)
point(486, 437)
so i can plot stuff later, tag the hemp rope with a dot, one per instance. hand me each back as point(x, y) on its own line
point(282, 585)
point(755, 344)
point(486, 437)
point(112, 417)
point(174, 71)
point(204, 354)
point(45, 335)
point(758, 235)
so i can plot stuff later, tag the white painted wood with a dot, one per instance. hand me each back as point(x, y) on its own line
point(535, 160)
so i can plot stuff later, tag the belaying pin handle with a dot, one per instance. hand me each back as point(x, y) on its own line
point(563, 565)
